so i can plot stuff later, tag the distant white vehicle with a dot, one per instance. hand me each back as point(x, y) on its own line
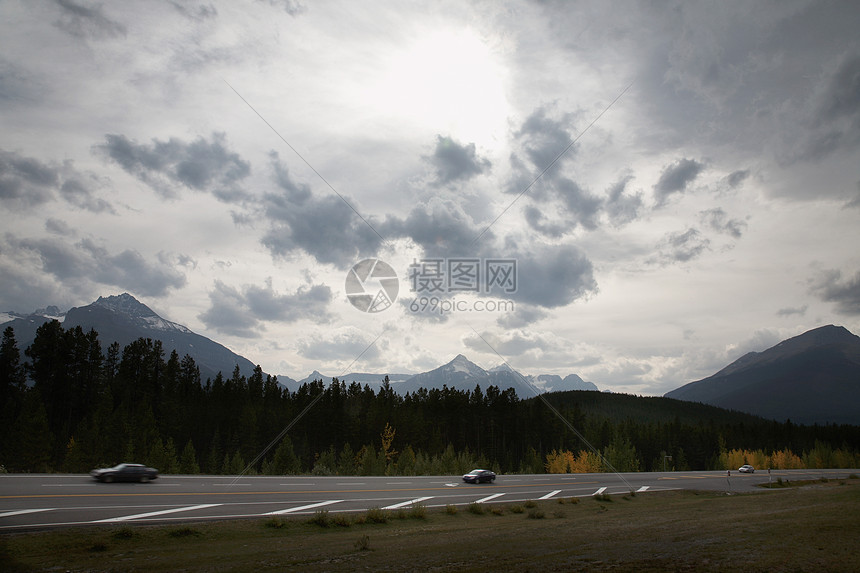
point(746, 469)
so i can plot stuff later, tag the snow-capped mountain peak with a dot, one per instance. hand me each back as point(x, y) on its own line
point(132, 308)
point(464, 365)
point(122, 319)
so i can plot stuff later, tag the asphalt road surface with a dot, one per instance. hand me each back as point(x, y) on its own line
point(30, 501)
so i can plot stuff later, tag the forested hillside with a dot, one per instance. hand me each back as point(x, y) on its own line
point(69, 405)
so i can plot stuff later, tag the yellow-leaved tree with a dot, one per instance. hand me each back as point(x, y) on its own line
point(388, 452)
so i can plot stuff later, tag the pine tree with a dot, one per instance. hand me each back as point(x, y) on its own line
point(171, 462)
point(12, 387)
point(285, 461)
point(326, 463)
point(406, 462)
point(157, 457)
point(346, 461)
point(214, 464)
point(31, 440)
point(188, 460)
point(11, 372)
point(236, 465)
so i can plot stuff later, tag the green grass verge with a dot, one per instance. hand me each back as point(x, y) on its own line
point(791, 529)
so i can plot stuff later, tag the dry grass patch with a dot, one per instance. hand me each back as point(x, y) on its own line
point(791, 529)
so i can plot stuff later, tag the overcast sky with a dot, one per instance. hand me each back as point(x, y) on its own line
point(678, 182)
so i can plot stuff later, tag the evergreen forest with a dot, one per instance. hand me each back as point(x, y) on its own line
point(69, 404)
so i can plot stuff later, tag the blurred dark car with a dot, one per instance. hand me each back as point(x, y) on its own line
point(125, 472)
point(478, 476)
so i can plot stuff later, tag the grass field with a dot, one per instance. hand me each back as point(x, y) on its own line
point(814, 527)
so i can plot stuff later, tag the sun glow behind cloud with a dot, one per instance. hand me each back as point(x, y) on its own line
point(447, 82)
point(717, 197)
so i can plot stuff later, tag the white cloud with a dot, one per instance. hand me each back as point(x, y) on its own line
point(714, 200)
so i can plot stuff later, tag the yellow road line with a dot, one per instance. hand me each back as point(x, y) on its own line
point(293, 492)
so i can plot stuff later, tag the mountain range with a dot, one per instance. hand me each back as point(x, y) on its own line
point(810, 378)
point(460, 373)
point(124, 319)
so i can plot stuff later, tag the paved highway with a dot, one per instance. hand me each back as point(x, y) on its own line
point(50, 500)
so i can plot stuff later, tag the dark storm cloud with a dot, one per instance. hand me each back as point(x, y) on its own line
point(719, 221)
point(542, 140)
point(88, 21)
point(201, 165)
point(130, 270)
point(454, 162)
point(26, 182)
point(553, 275)
point(308, 302)
point(297, 193)
point(58, 227)
point(735, 178)
point(621, 206)
point(569, 204)
point(18, 85)
point(538, 221)
point(836, 121)
point(78, 191)
point(87, 261)
point(324, 227)
point(582, 208)
point(548, 275)
point(25, 289)
point(842, 98)
point(228, 313)
point(676, 177)
point(441, 228)
point(830, 287)
point(241, 312)
point(683, 247)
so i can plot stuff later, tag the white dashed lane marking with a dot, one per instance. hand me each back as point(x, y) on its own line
point(157, 513)
point(303, 507)
point(599, 491)
point(405, 503)
point(23, 511)
point(550, 494)
point(488, 498)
